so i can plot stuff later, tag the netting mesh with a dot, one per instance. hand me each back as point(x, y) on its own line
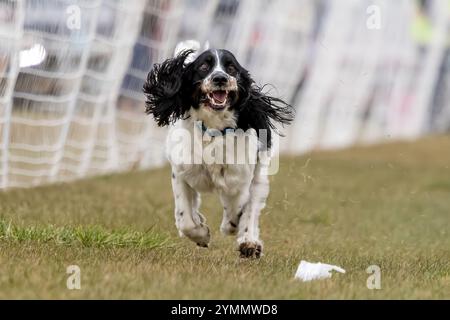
point(71, 74)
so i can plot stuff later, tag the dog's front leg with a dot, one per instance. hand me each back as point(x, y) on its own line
point(187, 218)
point(248, 236)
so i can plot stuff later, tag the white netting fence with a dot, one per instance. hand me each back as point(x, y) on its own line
point(71, 74)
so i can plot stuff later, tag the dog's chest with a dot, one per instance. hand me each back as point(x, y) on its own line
point(227, 178)
point(218, 164)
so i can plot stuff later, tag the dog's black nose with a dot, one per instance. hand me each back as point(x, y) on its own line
point(219, 79)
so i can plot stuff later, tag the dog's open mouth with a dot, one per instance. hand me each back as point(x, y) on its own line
point(218, 99)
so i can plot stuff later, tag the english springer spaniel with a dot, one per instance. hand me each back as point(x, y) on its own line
point(211, 99)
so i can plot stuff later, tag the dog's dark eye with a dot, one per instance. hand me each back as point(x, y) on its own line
point(204, 67)
point(231, 69)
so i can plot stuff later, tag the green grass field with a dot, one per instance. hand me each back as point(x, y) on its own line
point(386, 205)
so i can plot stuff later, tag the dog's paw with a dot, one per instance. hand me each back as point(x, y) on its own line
point(228, 228)
point(200, 235)
point(250, 249)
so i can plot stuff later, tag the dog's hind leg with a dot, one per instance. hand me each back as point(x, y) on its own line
point(233, 208)
point(188, 220)
point(248, 235)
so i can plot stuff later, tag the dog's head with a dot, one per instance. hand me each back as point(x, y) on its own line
point(212, 85)
point(217, 77)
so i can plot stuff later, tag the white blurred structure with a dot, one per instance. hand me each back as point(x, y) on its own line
point(71, 74)
point(308, 271)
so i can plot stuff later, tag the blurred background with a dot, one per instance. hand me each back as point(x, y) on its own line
point(71, 74)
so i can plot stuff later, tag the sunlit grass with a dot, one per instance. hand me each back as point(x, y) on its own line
point(385, 205)
point(86, 236)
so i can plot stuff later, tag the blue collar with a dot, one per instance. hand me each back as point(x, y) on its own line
point(213, 132)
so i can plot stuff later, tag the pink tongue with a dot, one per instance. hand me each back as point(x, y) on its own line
point(219, 96)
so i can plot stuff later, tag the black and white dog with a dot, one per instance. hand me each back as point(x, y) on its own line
point(212, 99)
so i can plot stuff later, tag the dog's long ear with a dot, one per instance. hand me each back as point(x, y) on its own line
point(163, 90)
point(262, 111)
